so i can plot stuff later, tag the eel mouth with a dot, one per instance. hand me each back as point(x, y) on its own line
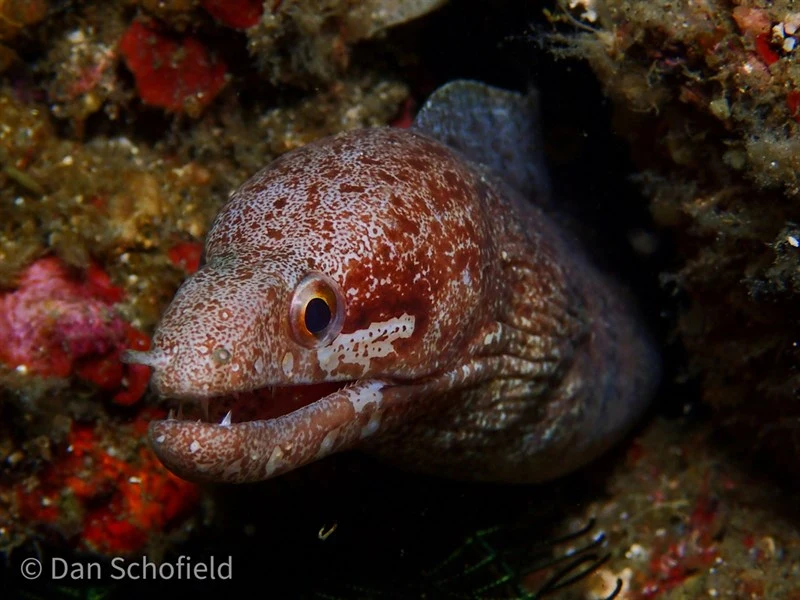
point(257, 435)
point(263, 404)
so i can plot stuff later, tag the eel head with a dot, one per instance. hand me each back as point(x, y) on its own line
point(328, 296)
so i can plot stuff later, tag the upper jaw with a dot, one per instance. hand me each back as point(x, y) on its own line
point(204, 391)
point(196, 373)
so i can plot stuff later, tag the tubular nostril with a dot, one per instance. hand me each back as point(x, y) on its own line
point(152, 358)
point(221, 355)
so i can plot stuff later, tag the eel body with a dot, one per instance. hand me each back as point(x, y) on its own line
point(399, 291)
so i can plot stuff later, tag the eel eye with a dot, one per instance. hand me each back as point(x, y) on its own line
point(317, 310)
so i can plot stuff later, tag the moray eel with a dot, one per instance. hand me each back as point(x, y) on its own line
point(401, 292)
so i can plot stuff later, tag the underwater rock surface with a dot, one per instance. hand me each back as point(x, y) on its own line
point(707, 95)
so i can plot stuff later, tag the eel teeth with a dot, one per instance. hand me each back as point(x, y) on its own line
point(171, 414)
point(226, 420)
point(180, 411)
point(204, 408)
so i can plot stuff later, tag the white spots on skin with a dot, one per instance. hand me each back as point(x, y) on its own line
point(221, 355)
point(327, 443)
point(275, 459)
point(366, 395)
point(287, 364)
point(194, 446)
point(372, 426)
point(493, 336)
point(161, 439)
point(361, 346)
point(258, 365)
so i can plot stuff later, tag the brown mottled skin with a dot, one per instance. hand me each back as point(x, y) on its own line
point(476, 340)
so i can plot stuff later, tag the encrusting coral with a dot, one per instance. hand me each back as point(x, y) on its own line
point(707, 94)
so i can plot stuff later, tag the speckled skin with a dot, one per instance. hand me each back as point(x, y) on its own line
point(478, 341)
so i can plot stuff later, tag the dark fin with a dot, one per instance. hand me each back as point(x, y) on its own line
point(494, 127)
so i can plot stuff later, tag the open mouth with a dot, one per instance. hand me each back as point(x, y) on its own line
point(254, 436)
point(263, 404)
